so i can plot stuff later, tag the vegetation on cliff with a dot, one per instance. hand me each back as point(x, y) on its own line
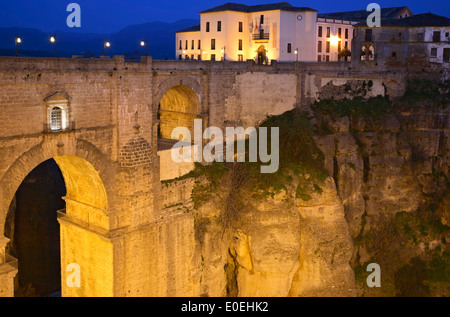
point(300, 167)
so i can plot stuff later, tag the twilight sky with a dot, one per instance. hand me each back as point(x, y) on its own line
point(108, 16)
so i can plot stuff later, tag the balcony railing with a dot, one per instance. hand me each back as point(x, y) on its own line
point(49, 129)
point(260, 36)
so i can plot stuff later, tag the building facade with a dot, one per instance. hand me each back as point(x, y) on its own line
point(262, 33)
point(279, 31)
point(421, 38)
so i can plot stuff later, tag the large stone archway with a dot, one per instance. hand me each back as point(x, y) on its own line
point(178, 107)
point(84, 223)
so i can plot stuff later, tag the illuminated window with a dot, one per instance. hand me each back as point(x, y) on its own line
point(56, 119)
point(57, 106)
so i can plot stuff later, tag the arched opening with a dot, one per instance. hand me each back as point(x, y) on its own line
point(262, 60)
point(51, 224)
point(178, 107)
point(33, 230)
point(367, 53)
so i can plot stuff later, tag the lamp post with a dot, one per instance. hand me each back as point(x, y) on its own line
point(144, 43)
point(296, 54)
point(105, 45)
point(17, 40)
point(53, 40)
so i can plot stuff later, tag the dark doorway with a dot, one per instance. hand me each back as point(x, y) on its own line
point(33, 230)
point(446, 56)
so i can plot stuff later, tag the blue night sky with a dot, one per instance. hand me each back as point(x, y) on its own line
point(108, 16)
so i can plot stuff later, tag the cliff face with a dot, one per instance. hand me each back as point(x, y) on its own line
point(280, 246)
point(392, 171)
point(385, 200)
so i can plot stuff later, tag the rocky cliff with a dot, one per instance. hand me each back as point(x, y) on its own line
point(360, 181)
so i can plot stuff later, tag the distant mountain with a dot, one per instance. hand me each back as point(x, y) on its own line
point(160, 36)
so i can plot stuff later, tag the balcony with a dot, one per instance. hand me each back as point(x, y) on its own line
point(48, 128)
point(260, 37)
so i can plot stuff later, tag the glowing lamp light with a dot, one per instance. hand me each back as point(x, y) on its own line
point(52, 39)
point(107, 44)
point(18, 40)
point(334, 40)
point(296, 52)
point(142, 43)
point(204, 52)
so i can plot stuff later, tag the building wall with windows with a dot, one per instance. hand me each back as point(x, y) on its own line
point(334, 40)
point(263, 36)
point(188, 45)
point(391, 45)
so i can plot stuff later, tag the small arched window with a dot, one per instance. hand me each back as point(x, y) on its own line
point(57, 105)
point(56, 119)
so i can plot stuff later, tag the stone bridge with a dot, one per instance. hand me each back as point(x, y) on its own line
point(101, 121)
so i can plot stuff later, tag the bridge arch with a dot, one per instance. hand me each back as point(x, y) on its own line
point(85, 215)
point(179, 102)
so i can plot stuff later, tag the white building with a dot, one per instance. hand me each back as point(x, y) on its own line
point(279, 31)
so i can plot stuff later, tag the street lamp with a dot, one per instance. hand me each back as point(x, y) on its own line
point(17, 40)
point(105, 45)
point(53, 40)
point(296, 54)
point(144, 43)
